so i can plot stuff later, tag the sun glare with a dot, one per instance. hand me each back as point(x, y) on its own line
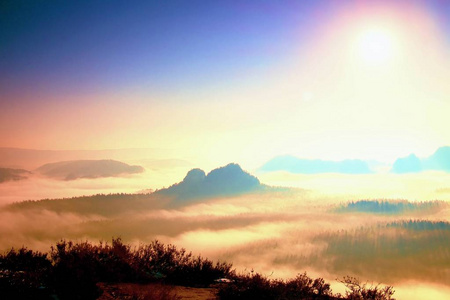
point(375, 46)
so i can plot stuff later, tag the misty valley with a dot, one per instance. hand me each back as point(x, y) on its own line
point(224, 150)
point(228, 215)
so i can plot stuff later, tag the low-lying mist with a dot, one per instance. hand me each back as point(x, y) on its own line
point(275, 231)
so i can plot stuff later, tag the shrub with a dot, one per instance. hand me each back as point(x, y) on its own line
point(157, 260)
point(248, 286)
point(200, 271)
point(176, 266)
point(24, 274)
point(257, 286)
point(78, 267)
point(74, 271)
point(361, 291)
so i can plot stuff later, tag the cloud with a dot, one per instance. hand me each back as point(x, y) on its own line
point(71, 170)
point(281, 232)
point(439, 161)
point(315, 166)
point(409, 249)
point(285, 232)
point(37, 229)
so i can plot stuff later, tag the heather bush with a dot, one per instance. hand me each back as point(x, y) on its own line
point(248, 286)
point(200, 271)
point(157, 260)
point(256, 286)
point(74, 271)
point(24, 274)
point(362, 291)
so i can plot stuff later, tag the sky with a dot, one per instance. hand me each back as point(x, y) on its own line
point(206, 83)
point(227, 81)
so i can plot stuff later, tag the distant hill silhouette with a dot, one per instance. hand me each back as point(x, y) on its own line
point(315, 166)
point(31, 159)
point(229, 180)
point(439, 161)
point(392, 207)
point(70, 170)
point(409, 164)
point(225, 181)
point(7, 174)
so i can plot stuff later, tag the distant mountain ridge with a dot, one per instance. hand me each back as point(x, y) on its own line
point(224, 181)
point(71, 170)
point(8, 174)
point(438, 161)
point(316, 166)
point(31, 159)
point(229, 180)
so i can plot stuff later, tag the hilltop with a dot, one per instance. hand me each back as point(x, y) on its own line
point(71, 170)
point(229, 180)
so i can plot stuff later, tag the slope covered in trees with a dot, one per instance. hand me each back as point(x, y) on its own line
point(391, 207)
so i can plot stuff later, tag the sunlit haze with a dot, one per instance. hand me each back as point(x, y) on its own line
point(230, 82)
point(251, 131)
point(375, 46)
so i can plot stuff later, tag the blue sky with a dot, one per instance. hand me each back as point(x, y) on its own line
point(106, 44)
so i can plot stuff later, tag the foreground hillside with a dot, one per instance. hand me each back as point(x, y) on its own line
point(89, 271)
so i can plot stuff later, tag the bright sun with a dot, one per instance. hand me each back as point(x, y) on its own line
point(375, 46)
